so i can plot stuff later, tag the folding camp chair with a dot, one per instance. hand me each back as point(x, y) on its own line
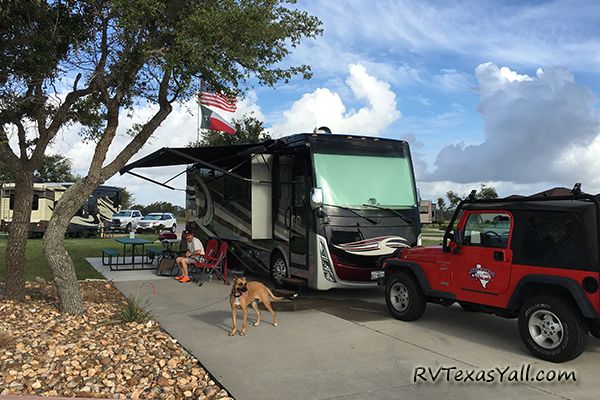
point(214, 265)
point(212, 245)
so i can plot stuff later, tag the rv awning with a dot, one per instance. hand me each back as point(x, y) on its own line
point(217, 155)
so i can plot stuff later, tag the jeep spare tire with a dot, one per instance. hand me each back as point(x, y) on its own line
point(552, 328)
point(404, 297)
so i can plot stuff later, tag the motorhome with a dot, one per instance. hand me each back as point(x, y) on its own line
point(315, 207)
point(99, 207)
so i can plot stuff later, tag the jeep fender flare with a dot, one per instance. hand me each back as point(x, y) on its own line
point(415, 268)
point(568, 284)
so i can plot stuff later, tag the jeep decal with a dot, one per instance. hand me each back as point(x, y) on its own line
point(482, 274)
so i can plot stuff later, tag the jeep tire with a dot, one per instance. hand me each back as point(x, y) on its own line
point(552, 328)
point(404, 297)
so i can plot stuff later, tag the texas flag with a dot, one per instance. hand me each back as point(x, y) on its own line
point(212, 120)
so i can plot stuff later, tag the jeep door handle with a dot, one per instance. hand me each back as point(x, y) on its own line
point(498, 255)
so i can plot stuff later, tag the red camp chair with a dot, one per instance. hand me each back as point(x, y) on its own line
point(212, 264)
point(212, 245)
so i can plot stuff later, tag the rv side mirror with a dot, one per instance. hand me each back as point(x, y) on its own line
point(316, 198)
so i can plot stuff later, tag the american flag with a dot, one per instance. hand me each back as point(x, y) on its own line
point(218, 101)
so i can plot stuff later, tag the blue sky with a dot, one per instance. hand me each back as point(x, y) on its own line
point(503, 93)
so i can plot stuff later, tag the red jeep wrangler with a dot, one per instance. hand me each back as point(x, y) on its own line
point(535, 258)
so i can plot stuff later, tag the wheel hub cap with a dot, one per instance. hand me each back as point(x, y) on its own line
point(546, 329)
point(279, 271)
point(399, 296)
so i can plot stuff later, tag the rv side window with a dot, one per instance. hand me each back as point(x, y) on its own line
point(34, 206)
point(236, 189)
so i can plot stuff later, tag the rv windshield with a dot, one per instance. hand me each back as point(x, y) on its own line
point(354, 180)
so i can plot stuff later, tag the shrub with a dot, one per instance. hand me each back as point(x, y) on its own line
point(134, 310)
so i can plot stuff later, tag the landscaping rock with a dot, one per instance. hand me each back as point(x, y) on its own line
point(43, 352)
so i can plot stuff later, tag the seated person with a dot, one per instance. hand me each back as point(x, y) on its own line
point(194, 253)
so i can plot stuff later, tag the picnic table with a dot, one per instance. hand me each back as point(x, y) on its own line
point(131, 248)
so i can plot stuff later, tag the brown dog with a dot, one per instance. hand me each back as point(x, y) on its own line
point(243, 294)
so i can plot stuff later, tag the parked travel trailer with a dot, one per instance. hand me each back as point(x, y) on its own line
point(100, 207)
point(318, 207)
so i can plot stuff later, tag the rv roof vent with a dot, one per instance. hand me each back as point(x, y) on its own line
point(323, 129)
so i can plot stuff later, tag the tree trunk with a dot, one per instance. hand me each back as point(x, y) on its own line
point(17, 236)
point(60, 262)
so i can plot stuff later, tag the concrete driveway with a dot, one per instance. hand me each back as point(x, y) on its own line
point(344, 345)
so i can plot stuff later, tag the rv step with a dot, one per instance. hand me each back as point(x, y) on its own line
point(289, 294)
point(295, 281)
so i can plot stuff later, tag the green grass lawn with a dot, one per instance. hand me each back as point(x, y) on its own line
point(79, 249)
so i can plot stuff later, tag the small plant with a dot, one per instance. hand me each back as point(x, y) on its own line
point(134, 310)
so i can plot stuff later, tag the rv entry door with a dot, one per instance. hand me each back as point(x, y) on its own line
point(299, 218)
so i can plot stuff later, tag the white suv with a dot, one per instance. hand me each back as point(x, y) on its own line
point(126, 220)
point(157, 221)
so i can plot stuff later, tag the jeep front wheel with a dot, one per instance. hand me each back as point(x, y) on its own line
point(404, 297)
point(552, 329)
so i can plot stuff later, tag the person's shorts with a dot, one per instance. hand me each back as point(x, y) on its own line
point(193, 259)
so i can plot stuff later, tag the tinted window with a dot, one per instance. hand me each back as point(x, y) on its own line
point(551, 239)
point(487, 230)
point(34, 206)
point(236, 189)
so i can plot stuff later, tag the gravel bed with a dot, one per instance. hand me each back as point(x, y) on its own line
point(46, 353)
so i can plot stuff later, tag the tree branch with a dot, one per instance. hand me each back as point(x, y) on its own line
point(8, 157)
point(144, 134)
point(22, 139)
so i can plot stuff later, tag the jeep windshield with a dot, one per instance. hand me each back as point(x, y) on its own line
point(357, 181)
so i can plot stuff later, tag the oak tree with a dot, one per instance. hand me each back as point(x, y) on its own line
point(133, 53)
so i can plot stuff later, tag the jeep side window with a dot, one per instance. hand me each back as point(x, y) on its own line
point(552, 240)
point(487, 230)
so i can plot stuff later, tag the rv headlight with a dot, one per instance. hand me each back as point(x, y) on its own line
point(419, 240)
point(326, 261)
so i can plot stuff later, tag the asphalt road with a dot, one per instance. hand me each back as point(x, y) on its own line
point(344, 345)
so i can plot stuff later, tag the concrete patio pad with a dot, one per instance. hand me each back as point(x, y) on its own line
point(344, 345)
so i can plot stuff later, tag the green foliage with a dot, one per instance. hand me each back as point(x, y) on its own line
point(248, 130)
point(445, 210)
point(53, 168)
point(127, 199)
point(36, 264)
point(134, 310)
point(160, 206)
point(486, 192)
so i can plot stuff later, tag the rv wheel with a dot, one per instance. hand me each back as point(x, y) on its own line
point(278, 268)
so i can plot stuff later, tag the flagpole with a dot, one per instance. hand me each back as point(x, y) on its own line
point(198, 114)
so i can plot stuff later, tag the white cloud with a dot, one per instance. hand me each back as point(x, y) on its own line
point(324, 107)
point(452, 80)
point(537, 129)
point(515, 33)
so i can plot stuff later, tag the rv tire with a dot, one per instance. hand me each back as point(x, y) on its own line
point(279, 269)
